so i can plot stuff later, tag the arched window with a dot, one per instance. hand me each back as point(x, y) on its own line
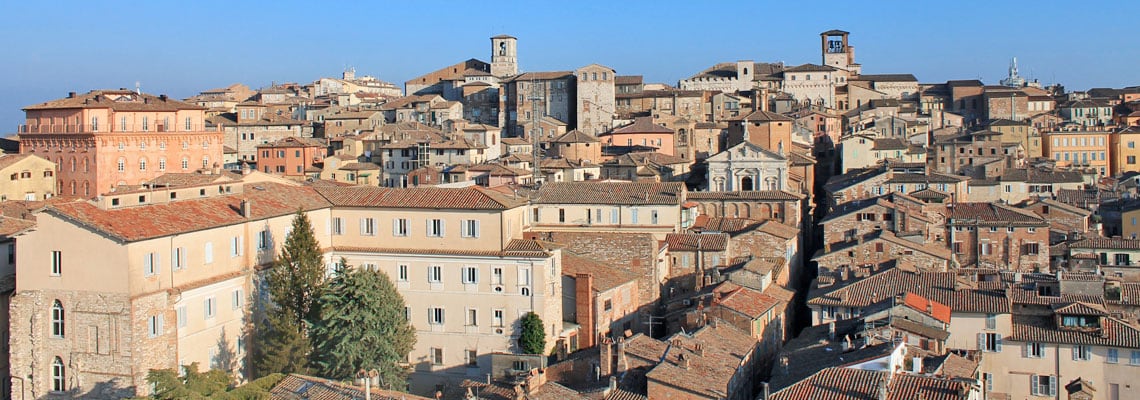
point(72, 164)
point(86, 168)
point(57, 319)
point(58, 375)
point(72, 187)
point(86, 188)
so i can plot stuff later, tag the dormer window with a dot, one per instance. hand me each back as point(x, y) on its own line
point(1080, 321)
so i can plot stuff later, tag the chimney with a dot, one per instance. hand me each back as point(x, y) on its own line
point(699, 349)
point(613, 384)
point(606, 356)
point(71, 95)
point(763, 390)
point(683, 361)
point(245, 208)
point(622, 361)
point(162, 97)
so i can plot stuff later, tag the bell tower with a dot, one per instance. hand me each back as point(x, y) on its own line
point(504, 56)
point(837, 52)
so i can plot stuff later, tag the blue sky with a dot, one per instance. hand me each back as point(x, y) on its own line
point(182, 47)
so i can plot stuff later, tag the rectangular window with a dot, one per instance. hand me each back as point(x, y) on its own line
point(469, 228)
point(614, 217)
point(402, 272)
point(561, 215)
point(608, 305)
point(436, 356)
point(1082, 353)
point(1134, 357)
point(989, 342)
point(178, 258)
point(435, 316)
point(154, 325)
point(56, 263)
point(472, 358)
point(180, 313)
point(1112, 357)
point(524, 276)
point(435, 227)
point(367, 227)
point(208, 253)
point(400, 227)
point(150, 264)
point(633, 216)
point(497, 318)
point(472, 317)
point(235, 246)
point(991, 321)
point(263, 240)
point(1034, 350)
point(435, 274)
point(470, 275)
point(1032, 249)
point(210, 307)
point(337, 226)
point(653, 217)
point(497, 276)
point(1043, 385)
point(236, 299)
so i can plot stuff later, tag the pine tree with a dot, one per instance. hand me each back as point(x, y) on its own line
point(280, 347)
point(297, 276)
point(362, 326)
point(532, 339)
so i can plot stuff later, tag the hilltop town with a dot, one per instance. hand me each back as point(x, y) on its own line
point(755, 230)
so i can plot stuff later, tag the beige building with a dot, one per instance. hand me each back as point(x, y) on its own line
point(177, 278)
point(645, 207)
point(29, 177)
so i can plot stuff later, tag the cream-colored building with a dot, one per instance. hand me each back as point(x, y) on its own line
point(611, 206)
point(26, 177)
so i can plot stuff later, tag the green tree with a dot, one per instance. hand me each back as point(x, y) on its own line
point(532, 339)
point(362, 326)
point(297, 277)
point(212, 384)
point(279, 347)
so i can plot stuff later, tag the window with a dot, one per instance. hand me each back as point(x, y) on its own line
point(435, 227)
point(470, 275)
point(58, 376)
point(1134, 357)
point(57, 323)
point(237, 299)
point(150, 264)
point(653, 217)
point(497, 276)
point(497, 318)
point(472, 317)
point(1082, 353)
point(154, 326)
point(436, 356)
point(608, 305)
point(263, 239)
point(235, 246)
point(1032, 248)
point(187, 123)
point(1131, 160)
point(524, 276)
point(469, 228)
point(1043, 385)
point(142, 164)
point(472, 358)
point(561, 215)
point(162, 164)
point(208, 253)
point(633, 216)
point(367, 227)
point(121, 165)
point(1034, 350)
point(400, 227)
point(180, 314)
point(989, 342)
point(402, 273)
point(1112, 357)
point(210, 307)
point(435, 316)
point(614, 217)
point(985, 249)
point(991, 321)
point(185, 163)
point(435, 274)
point(56, 263)
point(336, 226)
point(178, 258)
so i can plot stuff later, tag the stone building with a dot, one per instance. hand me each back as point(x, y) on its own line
point(254, 124)
point(109, 138)
point(596, 106)
point(29, 178)
point(747, 167)
point(988, 235)
point(533, 95)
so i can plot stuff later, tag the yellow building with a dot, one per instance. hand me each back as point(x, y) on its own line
point(1018, 132)
point(1125, 150)
point(1078, 149)
point(26, 177)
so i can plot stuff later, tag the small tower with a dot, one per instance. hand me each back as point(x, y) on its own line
point(504, 58)
point(1013, 80)
point(837, 52)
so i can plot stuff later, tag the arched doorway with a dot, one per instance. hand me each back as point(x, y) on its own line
point(746, 184)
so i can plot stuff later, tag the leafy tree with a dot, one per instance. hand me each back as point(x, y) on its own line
point(532, 339)
point(280, 347)
point(212, 384)
point(297, 277)
point(362, 326)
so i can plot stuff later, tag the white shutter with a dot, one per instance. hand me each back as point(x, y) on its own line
point(395, 227)
point(1076, 353)
point(148, 266)
point(982, 341)
point(476, 233)
point(1033, 382)
point(363, 226)
point(441, 228)
point(241, 247)
point(209, 253)
point(157, 261)
point(328, 227)
point(997, 342)
point(1025, 352)
point(1052, 385)
point(427, 228)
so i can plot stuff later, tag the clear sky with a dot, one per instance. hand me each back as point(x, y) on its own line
point(181, 47)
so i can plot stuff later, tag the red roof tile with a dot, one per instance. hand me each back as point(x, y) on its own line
point(469, 198)
point(935, 309)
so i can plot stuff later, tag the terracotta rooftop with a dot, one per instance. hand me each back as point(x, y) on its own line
point(763, 195)
point(294, 142)
point(640, 125)
point(302, 387)
point(1115, 243)
point(1112, 332)
point(118, 100)
point(749, 302)
point(605, 276)
point(697, 241)
point(709, 371)
point(993, 213)
point(930, 307)
point(623, 193)
point(130, 224)
point(469, 198)
point(763, 116)
point(575, 136)
point(723, 224)
point(940, 287)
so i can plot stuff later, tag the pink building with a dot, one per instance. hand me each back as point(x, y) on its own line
point(291, 156)
point(109, 138)
point(642, 132)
